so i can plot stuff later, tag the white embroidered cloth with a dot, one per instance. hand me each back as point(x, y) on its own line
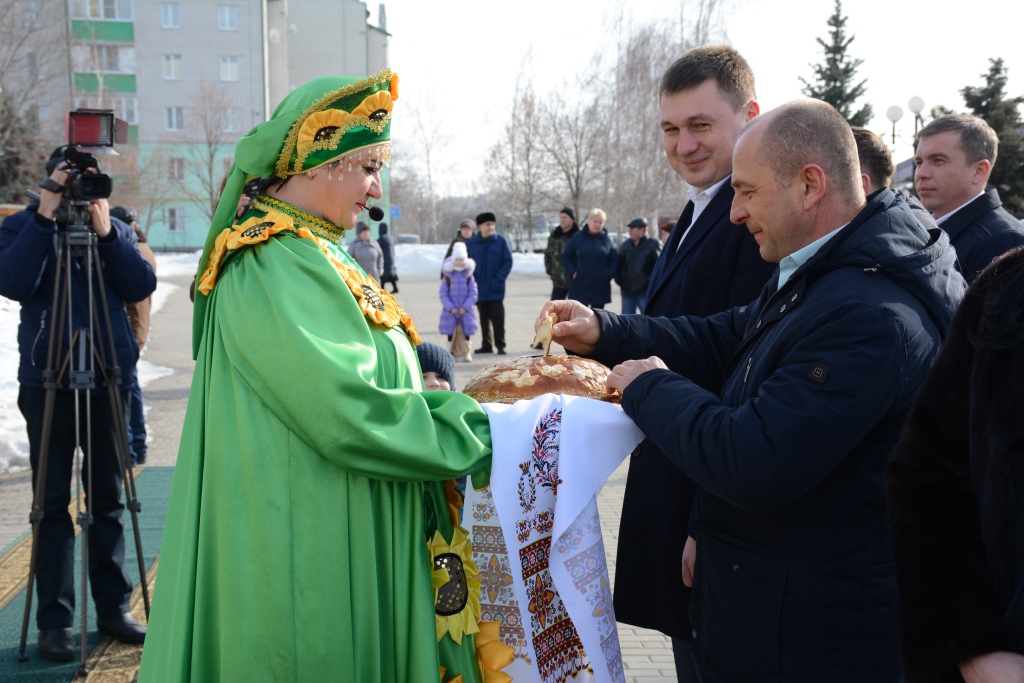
point(537, 535)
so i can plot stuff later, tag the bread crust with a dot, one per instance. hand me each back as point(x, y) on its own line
point(527, 377)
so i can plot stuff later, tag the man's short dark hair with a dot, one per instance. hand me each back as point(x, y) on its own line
point(811, 132)
point(977, 139)
point(875, 157)
point(361, 227)
point(724, 64)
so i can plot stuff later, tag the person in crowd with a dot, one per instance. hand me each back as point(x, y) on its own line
point(954, 158)
point(876, 169)
point(138, 315)
point(637, 256)
point(458, 296)
point(664, 231)
point(785, 411)
point(956, 497)
point(467, 228)
point(557, 240)
point(366, 252)
point(706, 266)
point(312, 463)
point(389, 272)
point(591, 261)
point(493, 259)
point(28, 275)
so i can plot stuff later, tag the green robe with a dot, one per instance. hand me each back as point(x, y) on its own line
point(295, 546)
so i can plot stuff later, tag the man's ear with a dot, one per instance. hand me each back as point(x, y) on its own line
point(982, 170)
point(812, 185)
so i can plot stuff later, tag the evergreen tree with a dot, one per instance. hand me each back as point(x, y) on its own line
point(1003, 114)
point(833, 79)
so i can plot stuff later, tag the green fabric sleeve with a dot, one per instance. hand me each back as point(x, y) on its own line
point(301, 343)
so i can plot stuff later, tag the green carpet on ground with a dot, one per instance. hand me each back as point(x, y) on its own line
point(153, 487)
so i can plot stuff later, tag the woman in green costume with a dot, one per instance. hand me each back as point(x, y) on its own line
point(308, 480)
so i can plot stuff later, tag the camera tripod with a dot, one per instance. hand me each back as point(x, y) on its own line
point(79, 366)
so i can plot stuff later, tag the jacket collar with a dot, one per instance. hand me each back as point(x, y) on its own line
point(970, 213)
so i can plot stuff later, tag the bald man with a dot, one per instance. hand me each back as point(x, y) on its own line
point(784, 412)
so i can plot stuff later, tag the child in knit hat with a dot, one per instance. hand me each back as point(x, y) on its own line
point(458, 296)
point(438, 367)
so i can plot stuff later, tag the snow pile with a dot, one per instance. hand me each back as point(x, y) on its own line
point(426, 259)
point(171, 263)
point(13, 440)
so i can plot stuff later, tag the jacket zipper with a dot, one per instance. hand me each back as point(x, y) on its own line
point(743, 387)
point(42, 328)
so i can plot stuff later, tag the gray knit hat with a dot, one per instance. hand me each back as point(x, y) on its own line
point(434, 358)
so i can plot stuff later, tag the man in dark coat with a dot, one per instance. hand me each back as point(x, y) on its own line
point(785, 411)
point(954, 158)
point(493, 264)
point(956, 495)
point(876, 169)
point(637, 256)
point(553, 252)
point(389, 273)
point(28, 266)
point(706, 266)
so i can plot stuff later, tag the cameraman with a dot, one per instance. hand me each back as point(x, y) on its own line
point(28, 256)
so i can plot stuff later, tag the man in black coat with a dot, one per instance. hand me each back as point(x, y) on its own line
point(637, 257)
point(954, 158)
point(707, 265)
point(389, 273)
point(785, 411)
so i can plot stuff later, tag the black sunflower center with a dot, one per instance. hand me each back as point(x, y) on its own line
point(372, 297)
point(257, 229)
point(451, 597)
point(378, 115)
point(324, 133)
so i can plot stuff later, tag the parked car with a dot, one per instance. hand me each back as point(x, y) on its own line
point(408, 239)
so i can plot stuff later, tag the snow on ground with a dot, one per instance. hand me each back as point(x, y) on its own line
point(426, 259)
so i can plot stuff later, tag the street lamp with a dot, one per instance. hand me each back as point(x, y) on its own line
point(916, 105)
point(894, 114)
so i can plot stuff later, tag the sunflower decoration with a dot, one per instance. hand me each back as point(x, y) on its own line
point(353, 119)
point(456, 587)
point(253, 231)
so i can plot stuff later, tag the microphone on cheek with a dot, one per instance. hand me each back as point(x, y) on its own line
point(376, 213)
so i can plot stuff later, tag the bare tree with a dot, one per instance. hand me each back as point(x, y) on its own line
point(428, 140)
point(212, 128)
point(572, 138)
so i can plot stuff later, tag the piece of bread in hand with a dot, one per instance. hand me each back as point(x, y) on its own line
point(544, 332)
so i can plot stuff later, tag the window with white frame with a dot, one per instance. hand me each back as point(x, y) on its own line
point(232, 120)
point(127, 109)
point(117, 10)
point(105, 59)
point(170, 15)
point(175, 219)
point(227, 17)
point(176, 168)
point(172, 67)
point(229, 68)
point(174, 118)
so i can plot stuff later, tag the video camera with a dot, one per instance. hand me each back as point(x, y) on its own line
point(88, 131)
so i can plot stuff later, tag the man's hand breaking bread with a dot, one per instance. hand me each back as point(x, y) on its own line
point(576, 329)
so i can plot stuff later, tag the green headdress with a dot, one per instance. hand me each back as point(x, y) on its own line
point(316, 124)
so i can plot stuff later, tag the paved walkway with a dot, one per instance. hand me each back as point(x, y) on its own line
point(647, 655)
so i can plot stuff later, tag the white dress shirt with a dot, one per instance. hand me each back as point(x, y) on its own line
point(701, 199)
point(940, 221)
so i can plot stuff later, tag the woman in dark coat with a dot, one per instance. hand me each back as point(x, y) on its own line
point(956, 495)
point(591, 261)
point(389, 272)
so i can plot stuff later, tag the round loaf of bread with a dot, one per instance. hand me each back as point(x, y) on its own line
point(522, 378)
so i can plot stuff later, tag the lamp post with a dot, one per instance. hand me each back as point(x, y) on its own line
point(916, 106)
point(894, 114)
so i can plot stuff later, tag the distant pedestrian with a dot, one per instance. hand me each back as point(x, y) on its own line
point(390, 272)
point(591, 261)
point(467, 228)
point(664, 232)
point(557, 240)
point(493, 264)
point(458, 296)
point(367, 253)
point(637, 256)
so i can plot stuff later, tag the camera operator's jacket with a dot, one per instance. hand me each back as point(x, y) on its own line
point(28, 263)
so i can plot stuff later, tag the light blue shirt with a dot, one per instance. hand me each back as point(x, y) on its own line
point(789, 264)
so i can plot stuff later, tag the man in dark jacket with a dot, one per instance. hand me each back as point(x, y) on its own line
point(784, 411)
point(637, 256)
point(493, 264)
point(706, 266)
point(954, 158)
point(389, 273)
point(28, 256)
point(876, 169)
point(553, 252)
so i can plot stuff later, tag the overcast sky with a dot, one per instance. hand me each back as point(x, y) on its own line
point(465, 55)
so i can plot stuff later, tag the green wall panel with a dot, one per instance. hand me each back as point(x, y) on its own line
point(111, 82)
point(107, 31)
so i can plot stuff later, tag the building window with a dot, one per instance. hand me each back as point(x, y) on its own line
point(176, 168)
point(172, 67)
point(233, 120)
point(229, 68)
point(170, 15)
point(227, 17)
point(175, 118)
point(175, 219)
point(102, 9)
point(127, 109)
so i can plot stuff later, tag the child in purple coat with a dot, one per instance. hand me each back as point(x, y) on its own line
point(458, 295)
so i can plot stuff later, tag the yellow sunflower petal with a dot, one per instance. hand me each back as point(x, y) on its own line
point(379, 100)
point(314, 122)
point(394, 86)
